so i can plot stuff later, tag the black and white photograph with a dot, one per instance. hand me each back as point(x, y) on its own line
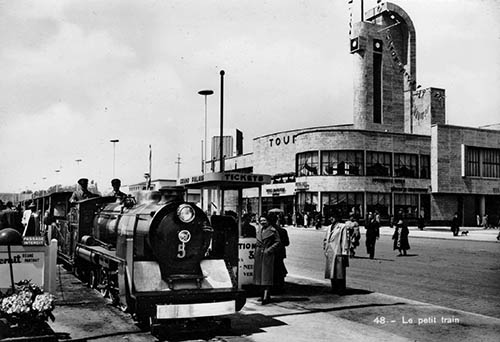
point(249, 171)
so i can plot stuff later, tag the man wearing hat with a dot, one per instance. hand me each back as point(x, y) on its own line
point(119, 195)
point(82, 192)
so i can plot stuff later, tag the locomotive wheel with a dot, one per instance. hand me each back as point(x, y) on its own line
point(104, 283)
point(93, 280)
point(144, 322)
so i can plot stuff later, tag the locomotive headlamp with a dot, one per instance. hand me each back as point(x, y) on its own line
point(185, 213)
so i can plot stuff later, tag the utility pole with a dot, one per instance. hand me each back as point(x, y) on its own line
point(178, 162)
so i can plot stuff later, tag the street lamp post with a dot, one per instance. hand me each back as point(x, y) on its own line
point(205, 93)
point(114, 141)
point(221, 144)
point(57, 179)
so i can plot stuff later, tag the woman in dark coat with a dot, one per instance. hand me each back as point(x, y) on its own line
point(267, 243)
point(455, 226)
point(400, 237)
point(280, 270)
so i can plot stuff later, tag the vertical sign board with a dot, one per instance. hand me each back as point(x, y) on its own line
point(246, 248)
point(35, 263)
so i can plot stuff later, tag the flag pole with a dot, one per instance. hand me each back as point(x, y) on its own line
point(150, 162)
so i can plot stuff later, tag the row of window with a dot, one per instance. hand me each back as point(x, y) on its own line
point(411, 205)
point(361, 163)
point(482, 162)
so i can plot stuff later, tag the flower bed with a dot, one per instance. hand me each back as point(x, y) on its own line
point(24, 313)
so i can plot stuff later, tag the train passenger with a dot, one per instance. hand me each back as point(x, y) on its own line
point(83, 191)
point(32, 227)
point(119, 195)
point(27, 213)
point(267, 243)
point(10, 218)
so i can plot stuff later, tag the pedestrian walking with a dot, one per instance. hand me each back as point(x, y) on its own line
point(336, 249)
point(267, 241)
point(421, 222)
point(455, 224)
point(400, 237)
point(372, 234)
point(354, 234)
point(485, 223)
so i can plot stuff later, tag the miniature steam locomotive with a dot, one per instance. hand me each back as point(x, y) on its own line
point(159, 259)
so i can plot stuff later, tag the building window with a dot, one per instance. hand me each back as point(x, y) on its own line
point(345, 203)
point(307, 202)
point(380, 202)
point(378, 164)
point(406, 204)
point(340, 163)
point(307, 164)
point(473, 162)
point(425, 166)
point(377, 88)
point(405, 165)
point(491, 163)
point(482, 162)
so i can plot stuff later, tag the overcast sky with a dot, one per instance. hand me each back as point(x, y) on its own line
point(75, 74)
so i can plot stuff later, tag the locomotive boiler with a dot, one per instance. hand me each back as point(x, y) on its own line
point(159, 259)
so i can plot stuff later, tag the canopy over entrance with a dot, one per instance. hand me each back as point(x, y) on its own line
point(221, 181)
point(225, 181)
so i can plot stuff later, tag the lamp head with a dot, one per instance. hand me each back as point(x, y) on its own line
point(10, 236)
point(206, 92)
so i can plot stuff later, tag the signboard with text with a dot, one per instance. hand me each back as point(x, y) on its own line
point(26, 265)
point(235, 177)
point(246, 248)
point(35, 263)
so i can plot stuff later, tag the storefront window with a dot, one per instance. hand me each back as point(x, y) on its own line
point(380, 202)
point(346, 203)
point(307, 202)
point(348, 163)
point(407, 204)
point(378, 164)
point(425, 206)
point(307, 164)
point(405, 165)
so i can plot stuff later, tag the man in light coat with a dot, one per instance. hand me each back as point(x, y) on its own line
point(336, 248)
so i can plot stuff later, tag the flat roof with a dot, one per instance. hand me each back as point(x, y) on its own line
point(225, 180)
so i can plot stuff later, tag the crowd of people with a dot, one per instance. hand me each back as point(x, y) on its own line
point(339, 245)
point(30, 221)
